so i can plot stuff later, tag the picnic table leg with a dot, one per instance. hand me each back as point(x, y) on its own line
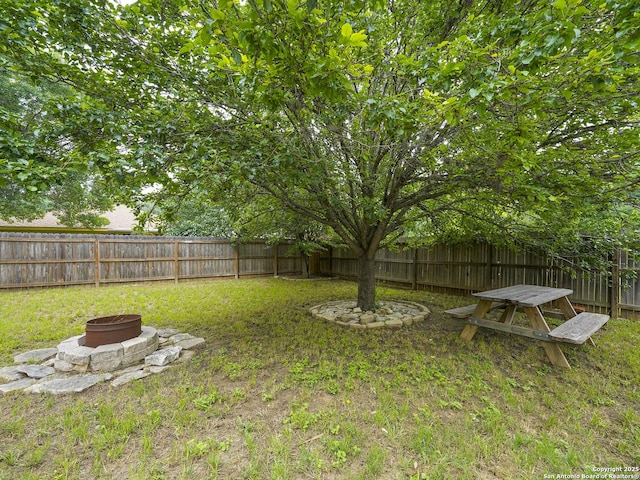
point(554, 353)
point(566, 308)
point(470, 330)
point(508, 314)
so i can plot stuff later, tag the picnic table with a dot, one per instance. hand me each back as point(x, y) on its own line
point(576, 329)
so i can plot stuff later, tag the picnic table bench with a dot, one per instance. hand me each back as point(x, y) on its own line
point(577, 328)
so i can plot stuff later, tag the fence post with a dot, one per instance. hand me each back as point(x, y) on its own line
point(414, 280)
point(330, 261)
point(176, 261)
point(488, 274)
point(275, 259)
point(615, 284)
point(96, 256)
point(236, 252)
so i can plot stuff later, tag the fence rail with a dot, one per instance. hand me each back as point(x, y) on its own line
point(472, 268)
point(45, 260)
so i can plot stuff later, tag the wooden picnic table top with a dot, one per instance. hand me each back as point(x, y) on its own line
point(524, 295)
point(576, 329)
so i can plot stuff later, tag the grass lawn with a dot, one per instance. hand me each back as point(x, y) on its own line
point(274, 394)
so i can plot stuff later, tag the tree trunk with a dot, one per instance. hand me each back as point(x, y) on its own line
point(366, 283)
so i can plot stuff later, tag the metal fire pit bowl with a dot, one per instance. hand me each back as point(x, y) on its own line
point(112, 329)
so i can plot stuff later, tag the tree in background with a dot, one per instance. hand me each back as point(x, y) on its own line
point(241, 219)
point(39, 174)
point(379, 119)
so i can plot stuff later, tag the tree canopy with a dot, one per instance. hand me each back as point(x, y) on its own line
point(382, 120)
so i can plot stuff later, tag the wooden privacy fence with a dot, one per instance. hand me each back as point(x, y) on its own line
point(47, 260)
point(472, 268)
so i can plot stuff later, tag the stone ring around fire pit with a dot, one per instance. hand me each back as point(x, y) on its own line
point(74, 354)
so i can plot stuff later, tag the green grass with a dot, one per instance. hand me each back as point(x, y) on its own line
point(274, 394)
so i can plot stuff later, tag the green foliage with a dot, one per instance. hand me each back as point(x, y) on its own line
point(378, 120)
point(39, 171)
point(190, 219)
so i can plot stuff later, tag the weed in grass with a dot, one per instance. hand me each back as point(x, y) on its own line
point(9, 457)
point(419, 476)
point(311, 462)
point(12, 427)
point(359, 370)
point(421, 441)
point(301, 418)
point(304, 372)
point(598, 421)
point(270, 388)
point(631, 447)
point(239, 395)
point(332, 387)
point(339, 455)
point(213, 461)
point(147, 446)
point(374, 462)
point(255, 467)
point(344, 441)
point(630, 418)
point(196, 448)
point(279, 447)
point(232, 370)
point(66, 464)
point(75, 424)
point(185, 419)
point(206, 402)
point(152, 419)
point(109, 442)
point(150, 472)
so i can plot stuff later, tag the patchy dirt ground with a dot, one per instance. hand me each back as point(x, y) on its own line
point(274, 394)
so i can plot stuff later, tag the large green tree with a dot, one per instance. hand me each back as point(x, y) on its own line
point(518, 118)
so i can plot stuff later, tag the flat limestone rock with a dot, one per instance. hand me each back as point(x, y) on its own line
point(189, 343)
point(158, 369)
point(124, 371)
point(179, 337)
point(185, 356)
point(72, 384)
point(11, 374)
point(77, 355)
point(162, 357)
point(17, 385)
point(129, 377)
point(63, 366)
point(36, 356)
point(36, 371)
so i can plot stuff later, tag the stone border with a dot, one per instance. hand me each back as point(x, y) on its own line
point(74, 356)
point(392, 313)
point(90, 366)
